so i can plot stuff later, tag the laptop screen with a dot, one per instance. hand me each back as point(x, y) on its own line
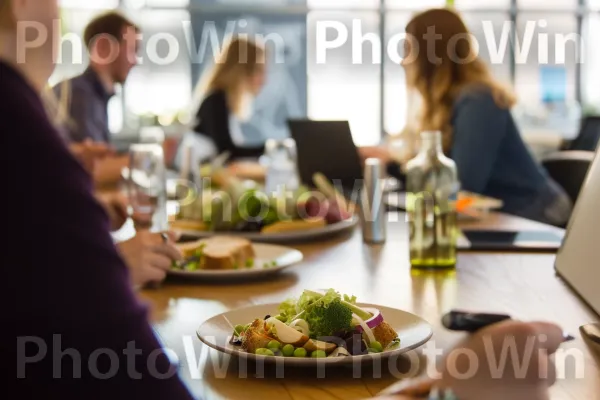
point(327, 147)
point(577, 259)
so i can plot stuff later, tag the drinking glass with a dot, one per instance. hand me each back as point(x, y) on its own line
point(282, 165)
point(146, 186)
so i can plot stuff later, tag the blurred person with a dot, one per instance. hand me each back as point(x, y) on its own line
point(111, 40)
point(75, 286)
point(538, 341)
point(461, 99)
point(226, 96)
point(146, 255)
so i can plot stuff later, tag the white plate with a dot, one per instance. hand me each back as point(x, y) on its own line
point(285, 257)
point(412, 330)
point(283, 237)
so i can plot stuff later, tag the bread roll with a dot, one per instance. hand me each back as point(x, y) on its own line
point(221, 252)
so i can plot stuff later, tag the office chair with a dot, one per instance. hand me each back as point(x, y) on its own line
point(569, 169)
point(588, 137)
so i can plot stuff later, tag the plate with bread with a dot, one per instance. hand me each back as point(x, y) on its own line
point(221, 257)
point(292, 231)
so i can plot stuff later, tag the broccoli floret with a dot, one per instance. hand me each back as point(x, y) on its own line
point(328, 318)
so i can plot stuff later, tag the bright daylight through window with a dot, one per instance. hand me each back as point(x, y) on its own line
point(372, 96)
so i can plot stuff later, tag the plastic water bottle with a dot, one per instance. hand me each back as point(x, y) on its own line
point(282, 167)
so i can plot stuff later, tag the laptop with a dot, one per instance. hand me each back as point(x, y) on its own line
point(327, 147)
point(577, 261)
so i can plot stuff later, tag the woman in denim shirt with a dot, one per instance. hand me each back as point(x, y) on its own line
point(461, 99)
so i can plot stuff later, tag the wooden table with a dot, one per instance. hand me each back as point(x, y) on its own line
point(523, 285)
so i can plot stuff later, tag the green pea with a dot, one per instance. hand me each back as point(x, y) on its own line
point(249, 263)
point(372, 350)
point(377, 346)
point(239, 329)
point(264, 352)
point(192, 266)
point(274, 345)
point(318, 354)
point(300, 352)
point(288, 350)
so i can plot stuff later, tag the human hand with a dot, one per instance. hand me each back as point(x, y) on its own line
point(108, 171)
point(379, 152)
point(149, 257)
point(532, 343)
point(89, 152)
point(116, 205)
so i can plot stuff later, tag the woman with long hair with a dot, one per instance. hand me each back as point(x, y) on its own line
point(227, 94)
point(461, 99)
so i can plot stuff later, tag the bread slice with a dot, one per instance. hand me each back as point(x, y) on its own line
point(221, 252)
point(295, 225)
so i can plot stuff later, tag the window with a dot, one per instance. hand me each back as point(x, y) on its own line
point(547, 4)
point(93, 5)
point(342, 4)
point(594, 5)
point(412, 5)
point(395, 93)
point(591, 65)
point(160, 85)
point(372, 96)
point(550, 64)
point(346, 83)
point(140, 4)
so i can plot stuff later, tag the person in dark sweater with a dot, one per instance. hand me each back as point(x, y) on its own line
point(227, 95)
point(70, 297)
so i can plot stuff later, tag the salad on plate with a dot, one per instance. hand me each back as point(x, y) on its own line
point(229, 204)
point(318, 325)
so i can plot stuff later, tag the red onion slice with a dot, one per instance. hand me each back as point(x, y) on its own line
point(372, 322)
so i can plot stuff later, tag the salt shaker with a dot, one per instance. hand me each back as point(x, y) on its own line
point(373, 210)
